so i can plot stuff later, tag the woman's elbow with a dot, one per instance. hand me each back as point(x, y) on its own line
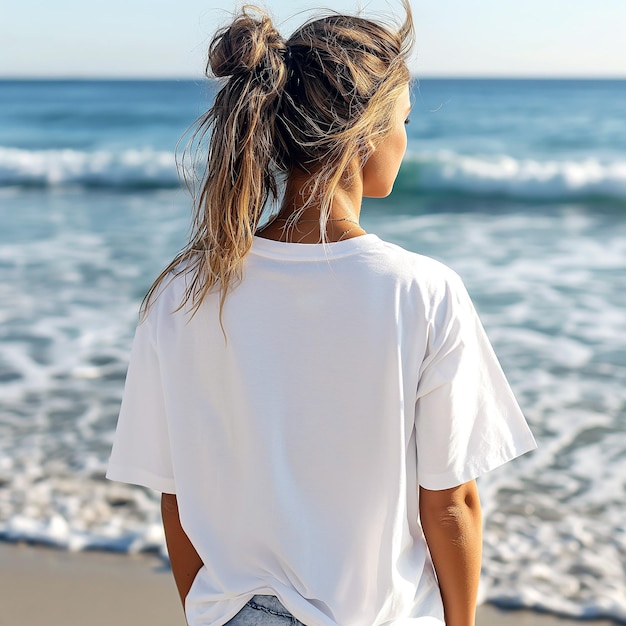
point(449, 505)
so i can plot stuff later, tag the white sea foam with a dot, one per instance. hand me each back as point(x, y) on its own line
point(516, 177)
point(103, 168)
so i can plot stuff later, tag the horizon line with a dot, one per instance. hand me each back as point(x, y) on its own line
point(170, 78)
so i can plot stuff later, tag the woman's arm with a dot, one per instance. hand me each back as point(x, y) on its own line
point(184, 559)
point(452, 524)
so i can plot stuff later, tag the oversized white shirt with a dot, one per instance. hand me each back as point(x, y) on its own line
point(351, 373)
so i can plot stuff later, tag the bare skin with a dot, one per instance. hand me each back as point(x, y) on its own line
point(345, 211)
point(184, 559)
point(452, 524)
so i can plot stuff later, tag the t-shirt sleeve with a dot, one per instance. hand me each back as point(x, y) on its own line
point(467, 421)
point(141, 449)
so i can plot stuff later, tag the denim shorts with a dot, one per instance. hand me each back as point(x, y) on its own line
point(265, 610)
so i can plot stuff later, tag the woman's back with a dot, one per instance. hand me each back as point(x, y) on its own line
point(294, 445)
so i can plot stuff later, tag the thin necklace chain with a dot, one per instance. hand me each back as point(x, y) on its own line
point(330, 219)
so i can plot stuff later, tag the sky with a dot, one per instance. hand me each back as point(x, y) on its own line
point(454, 38)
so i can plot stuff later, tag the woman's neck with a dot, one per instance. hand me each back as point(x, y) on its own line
point(343, 217)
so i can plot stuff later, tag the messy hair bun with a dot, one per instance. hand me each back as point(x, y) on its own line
point(250, 43)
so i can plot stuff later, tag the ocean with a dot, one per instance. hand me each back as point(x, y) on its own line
point(519, 185)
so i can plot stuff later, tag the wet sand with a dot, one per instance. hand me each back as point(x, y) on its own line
point(45, 586)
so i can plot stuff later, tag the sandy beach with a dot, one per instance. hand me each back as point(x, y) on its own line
point(46, 586)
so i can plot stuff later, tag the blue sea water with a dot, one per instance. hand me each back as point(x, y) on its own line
point(519, 185)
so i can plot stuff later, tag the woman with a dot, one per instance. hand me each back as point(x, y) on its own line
point(313, 403)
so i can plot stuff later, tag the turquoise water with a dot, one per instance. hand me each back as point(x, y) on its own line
point(518, 185)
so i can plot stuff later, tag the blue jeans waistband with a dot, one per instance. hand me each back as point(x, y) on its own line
point(267, 610)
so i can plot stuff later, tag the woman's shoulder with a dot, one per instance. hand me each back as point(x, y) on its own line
point(429, 272)
point(167, 295)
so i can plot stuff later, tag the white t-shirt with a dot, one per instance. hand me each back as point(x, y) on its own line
point(352, 372)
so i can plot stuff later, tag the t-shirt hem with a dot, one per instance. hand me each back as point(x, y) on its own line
point(448, 480)
point(138, 476)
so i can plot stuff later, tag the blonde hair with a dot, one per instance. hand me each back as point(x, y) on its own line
point(314, 102)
